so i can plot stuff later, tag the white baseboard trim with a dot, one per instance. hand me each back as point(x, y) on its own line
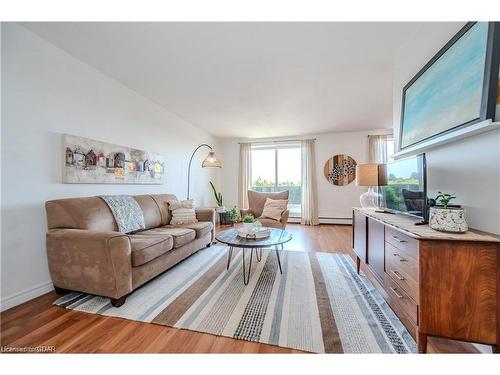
point(333, 220)
point(324, 220)
point(25, 295)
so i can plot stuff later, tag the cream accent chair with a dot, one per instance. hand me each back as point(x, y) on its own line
point(256, 201)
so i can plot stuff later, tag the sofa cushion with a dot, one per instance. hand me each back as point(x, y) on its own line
point(257, 199)
point(181, 236)
point(162, 202)
point(146, 247)
point(183, 216)
point(150, 210)
point(201, 227)
point(182, 212)
point(273, 208)
point(270, 223)
point(90, 213)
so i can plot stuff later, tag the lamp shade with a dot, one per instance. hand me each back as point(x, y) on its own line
point(371, 174)
point(211, 161)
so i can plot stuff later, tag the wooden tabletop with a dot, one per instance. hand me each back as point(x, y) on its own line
point(231, 238)
point(407, 225)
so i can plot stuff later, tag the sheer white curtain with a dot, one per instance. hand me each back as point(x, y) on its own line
point(309, 204)
point(245, 174)
point(377, 148)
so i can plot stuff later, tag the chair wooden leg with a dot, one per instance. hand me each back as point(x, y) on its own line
point(358, 264)
point(117, 302)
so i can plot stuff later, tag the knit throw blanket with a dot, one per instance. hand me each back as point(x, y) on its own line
point(127, 212)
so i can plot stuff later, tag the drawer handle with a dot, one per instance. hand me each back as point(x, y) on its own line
point(396, 292)
point(401, 259)
point(398, 239)
point(397, 274)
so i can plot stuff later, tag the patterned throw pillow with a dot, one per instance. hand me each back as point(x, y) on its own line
point(273, 208)
point(182, 212)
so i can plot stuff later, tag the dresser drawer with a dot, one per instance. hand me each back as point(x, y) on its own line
point(402, 269)
point(403, 242)
point(400, 302)
point(402, 260)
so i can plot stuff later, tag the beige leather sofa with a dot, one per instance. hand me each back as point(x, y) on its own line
point(86, 252)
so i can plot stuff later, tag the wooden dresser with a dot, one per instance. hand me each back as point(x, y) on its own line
point(438, 284)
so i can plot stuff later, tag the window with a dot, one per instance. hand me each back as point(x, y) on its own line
point(277, 168)
point(381, 148)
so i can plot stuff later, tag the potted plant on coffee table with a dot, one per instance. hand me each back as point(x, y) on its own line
point(248, 223)
point(445, 217)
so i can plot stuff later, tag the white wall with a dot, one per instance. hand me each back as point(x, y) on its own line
point(470, 167)
point(47, 92)
point(334, 202)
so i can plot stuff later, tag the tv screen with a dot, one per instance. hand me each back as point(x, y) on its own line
point(405, 187)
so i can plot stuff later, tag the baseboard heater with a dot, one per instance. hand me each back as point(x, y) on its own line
point(326, 220)
point(335, 220)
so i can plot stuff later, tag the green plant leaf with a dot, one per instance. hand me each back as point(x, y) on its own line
point(217, 195)
point(248, 219)
point(444, 199)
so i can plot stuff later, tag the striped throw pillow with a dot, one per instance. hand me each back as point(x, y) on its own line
point(182, 212)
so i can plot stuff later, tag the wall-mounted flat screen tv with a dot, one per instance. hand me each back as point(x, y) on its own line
point(405, 189)
point(457, 88)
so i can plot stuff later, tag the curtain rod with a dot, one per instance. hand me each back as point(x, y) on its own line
point(284, 141)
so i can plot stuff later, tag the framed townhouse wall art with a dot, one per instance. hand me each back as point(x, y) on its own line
point(88, 161)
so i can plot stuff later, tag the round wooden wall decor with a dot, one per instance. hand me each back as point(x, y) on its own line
point(340, 170)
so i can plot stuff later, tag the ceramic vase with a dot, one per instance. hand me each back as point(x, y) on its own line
point(448, 219)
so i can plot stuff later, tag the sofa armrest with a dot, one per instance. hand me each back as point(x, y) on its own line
point(206, 214)
point(284, 217)
point(246, 211)
point(90, 261)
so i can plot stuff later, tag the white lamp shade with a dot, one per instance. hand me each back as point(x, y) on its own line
point(211, 161)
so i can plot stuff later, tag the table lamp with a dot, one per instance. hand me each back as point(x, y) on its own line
point(371, 175)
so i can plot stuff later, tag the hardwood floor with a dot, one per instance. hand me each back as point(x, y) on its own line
point(38, 323)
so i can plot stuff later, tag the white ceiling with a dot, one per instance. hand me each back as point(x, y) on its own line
point(249, 79)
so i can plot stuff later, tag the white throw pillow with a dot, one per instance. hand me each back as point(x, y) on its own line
point(273, 208)
point(182, 212)
point(175, 204)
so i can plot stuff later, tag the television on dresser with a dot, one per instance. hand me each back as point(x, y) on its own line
point(404, 188)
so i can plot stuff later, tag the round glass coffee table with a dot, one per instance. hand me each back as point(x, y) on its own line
point(276, 238)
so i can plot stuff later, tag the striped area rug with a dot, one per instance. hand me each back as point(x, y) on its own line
point(319, 304)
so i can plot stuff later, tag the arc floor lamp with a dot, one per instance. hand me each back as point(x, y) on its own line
point(209, 162)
